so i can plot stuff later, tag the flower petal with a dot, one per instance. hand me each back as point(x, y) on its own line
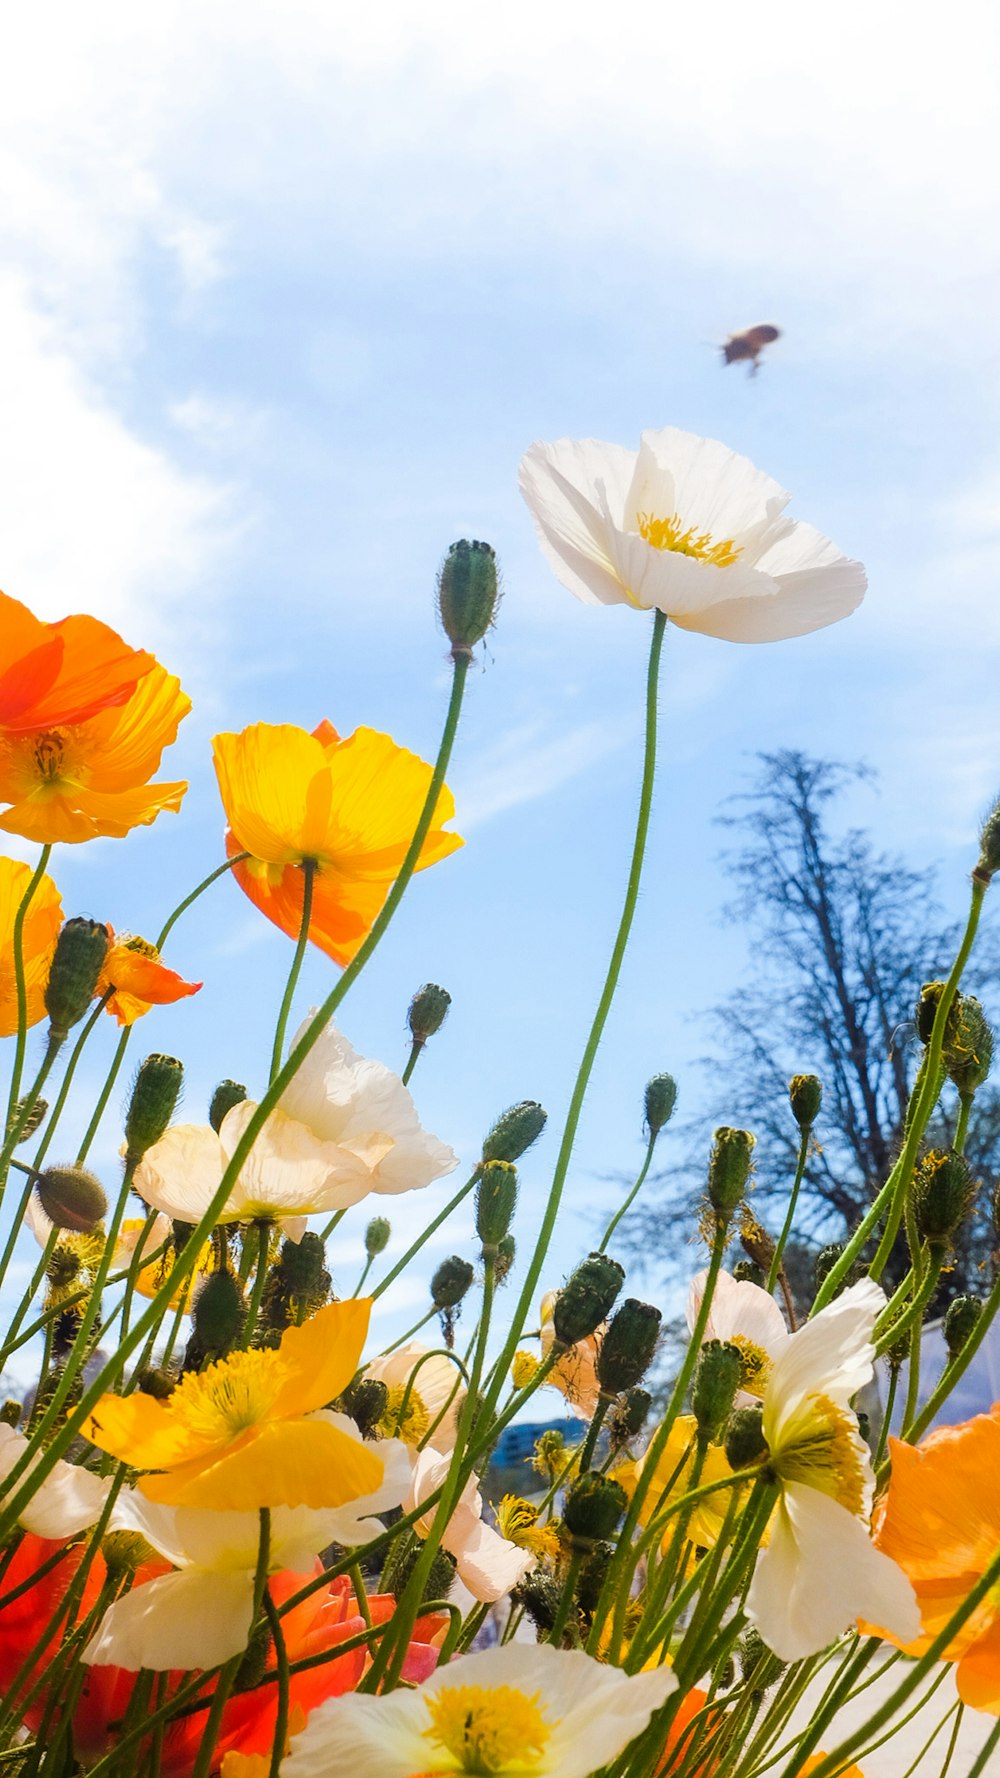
point(187, 1621)
point(283, 1463)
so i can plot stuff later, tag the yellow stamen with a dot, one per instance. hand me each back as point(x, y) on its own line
point(820, 1450)
point(756, 1364)
point(237, 1392)
point(668, 534)
point(487, 1731)
point(410, 1423)
point(517, 1521)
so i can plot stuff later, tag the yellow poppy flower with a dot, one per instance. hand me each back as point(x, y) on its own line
point(348, 806)
point(708, 1517)
point(137, 979)
point(249, 1431)
point(41, 929)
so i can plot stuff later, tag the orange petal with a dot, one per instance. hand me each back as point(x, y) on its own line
point(40, 931)
point(122, 748)
point(139, 982)
point(275, 790)
point(86, 814)
point(286, 1463)
point(978, 1673)
point(322, 1356)
point(342, 913)
point(54, 674)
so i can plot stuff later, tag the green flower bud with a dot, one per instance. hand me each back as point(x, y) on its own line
point(628, 1346)
point(594, 1505)
point(11, 1411)
point(80, 951)
point(989, 845)
point(72, 1198)
point(154, 1099)
point(825, 1261)
point(961, 1322)
point(630, 1416)
point(35, 1118)
point(514, 1131)
point(439, 1580)
point(716, 1380)
point(217, 1313)
point(451, 1282)
point(506, 1249)
point(428, 1011)
point(496, 1198)
point(805, 1094)
point(155, 1381)
point(755, 1657)
point(468, 594)
point(747, 1271)
point(729, 1170)
point(661, 1097)
point(125, 1552)
point(745, 1443)
point(377, 1236)
point(365, 1400)
point(943, 1190)
point(303, 1264)
point(592, 1576)
point(930, 999)
point(538, 1595)
point(227, 1094)
point(587, 1298)
point(969, 1057)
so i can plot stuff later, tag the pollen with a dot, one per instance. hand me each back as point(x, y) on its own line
point(404, 1416)
point(487, 1731)
point(230, 1396)
point(756, 1364)
point(670, 534)
point(822, 1449)
point(517, 1521)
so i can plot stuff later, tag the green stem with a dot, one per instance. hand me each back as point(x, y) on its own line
point(206, 883)
point(962, 1122)
point(431, 1229)
point(67, 1080)
point(633, 1194)
point(20, 985)
point(988, 1748)
point(890, 1402)
point(408, 1335)
point(308, 868)
point(104, 1095)
point(411, 1061)
point(281, 1663)
point(227, 1677)
point(958, 1366)
point(16, 1124)
point(259, 1281)
point(800, 1167)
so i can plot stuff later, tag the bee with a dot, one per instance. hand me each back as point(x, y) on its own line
point(749, 345)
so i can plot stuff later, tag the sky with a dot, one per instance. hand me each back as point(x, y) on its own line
point(286, 291)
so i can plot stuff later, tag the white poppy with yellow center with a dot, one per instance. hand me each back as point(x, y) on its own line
point(746, 1317)
point(820, 1570)
point(514, 1712)
point(690, 527)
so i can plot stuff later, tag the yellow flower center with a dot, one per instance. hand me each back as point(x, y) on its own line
point(408, 1423)
point(668, 534)
point(820, 1450)
point(756, 1364)
point(140, 946)
point(42, 763)
point(517, 1520)
point(486, 1731)
point(231, 1395)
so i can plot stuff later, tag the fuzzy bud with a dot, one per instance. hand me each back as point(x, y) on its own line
point(960, 1323)
point(451, 1282)
point(439, 1580)
point(538, 1596)
point(377, 1236)
point(365, 1400)
point(745, 1443)
point(970, 1055)
point(630, 1416)
point(154, 1381)
point(747, 1271)
point(428, 1011)
point(661, 1097)
point(754, 1656)
point(72, 1198)
point(10, 1412)
point(506, 1250)
point(154, 1099)
point(989, 845)
point(805, 1095)
point(729, 1170)
point(943, 1190)
point(496, 1197)
point(628, 1346)
point(591, 1578)
point(217, 1313)
point(594, 1505)
point(514, 1131)
point(716, 1380)
point(80, 951)
point(587, 1299)
point(468, 594)
point(227, 1094)
point(125, 1552)
point(34, 1120)
point(930, 999)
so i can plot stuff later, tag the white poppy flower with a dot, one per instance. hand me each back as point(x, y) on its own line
point(556, 1713)
point(746, 1317)
point(437, 1393)
point(487, 1563)
point(202, 1614)
point(344, 1127)
point(820, 1569)
point(68, 1501)
point(690, 527)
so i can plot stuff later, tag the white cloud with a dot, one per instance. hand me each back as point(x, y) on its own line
point(527, 764)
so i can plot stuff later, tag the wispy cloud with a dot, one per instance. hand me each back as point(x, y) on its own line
point(529, 763)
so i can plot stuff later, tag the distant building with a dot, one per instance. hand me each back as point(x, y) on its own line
point(516, 1443)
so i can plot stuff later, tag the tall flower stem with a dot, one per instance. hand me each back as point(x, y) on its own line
point(52, 1120)
point(633, 1194)
point(227, 1678)
point(20, 984)
point(308, 868)
point(432, 1227)
point(800, 1167)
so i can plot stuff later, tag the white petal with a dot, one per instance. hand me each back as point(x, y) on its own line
point(679, 585)
point(785, 606)
point(830, 1355)
point(738, 1307)
point(190, 1536)
point(181, 1173)
point(714, 489)
point(570, 486)
point(68, 1501)
point(190, 1620)
point(818, 1573)
point(487, 1564)
point(289, 1169)
point(357, 1735)
point(436, 1380)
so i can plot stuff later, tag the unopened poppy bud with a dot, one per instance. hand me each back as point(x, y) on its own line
point(35, 1118)
point(217, 1312)
point(125, 1552)
point(514, 1131)
point(745, 1443)
point(592, 1576)
point(969, 1056)
point(79, 956)
point(155, 1381)
point(628, 1346)
point(154, 1100)
point(377, 1236)
point(451, 1282)
point(428, 1011)
point(930, 999)
point(805, 1095)
point(496, 1198)
point(72, 1198)
point(227, 1094)
point(366, 1400)
point(439, 1579)
point(630, 1415)
point(716, 1380)
point(943, 1190)
point(989, 845)
point(506, 1249)
point(538, 1595)
point(587, 1299)
point(468, 594)
point(729, 1169)
point(756, 1240)
point(594, 1505)
point(747, 1271)
point(754, 1654)
point(11, 1411)
point(661, 1097)
point(961, 1322)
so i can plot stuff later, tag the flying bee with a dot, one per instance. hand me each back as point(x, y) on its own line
point(749, 345)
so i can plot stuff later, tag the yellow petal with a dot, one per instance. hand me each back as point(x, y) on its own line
point(321, 1356)
point(287, 1463)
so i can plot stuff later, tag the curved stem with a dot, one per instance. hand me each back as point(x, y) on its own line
point(104, 1095)
point(182, 906)
point(308, 868)
point(775, 1266)
point(67, 1080)
point(633, 1194)
point(281, 1663)
point(422, 1238)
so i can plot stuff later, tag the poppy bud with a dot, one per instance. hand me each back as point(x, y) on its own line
point(745, 1443)
point(440, 1578)
point(747, 1271)
point(10, 1412)
point(594, 1505)
point(227, 1094)
point(451, 1282)
point(514, 1131)
point(468, 594)
point(538, 1595)
point(960, 1323)
point(943, 1190)
point(125, 1552)
point(155, 1381)
point(80, 951)
point(716, 1380)
point(587, 1299)
point(72, 1198)
point(592, 1576)
point(217, 1313)
point(989, 845)
point(496, 1197)
point(506, 1249)
point(428, 1011)
point(630, 1415)
point(754, 1655)
point(153, 1103)
point(35, 1118)
point(377, 1236)
point(628, 1346)
point(729, 1169)
point(365, 1400)
point(661, 1097)
point(805, 1095)
point(303, 1265)
point(970, 1054)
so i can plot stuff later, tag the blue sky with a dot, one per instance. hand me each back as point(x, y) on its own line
point(285, 293)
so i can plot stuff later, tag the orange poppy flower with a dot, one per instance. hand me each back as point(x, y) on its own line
point(54, 674)
point(78, 780)
point(41, 929)
point(940, 1520)
point(137, 979)
point(350, 807)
